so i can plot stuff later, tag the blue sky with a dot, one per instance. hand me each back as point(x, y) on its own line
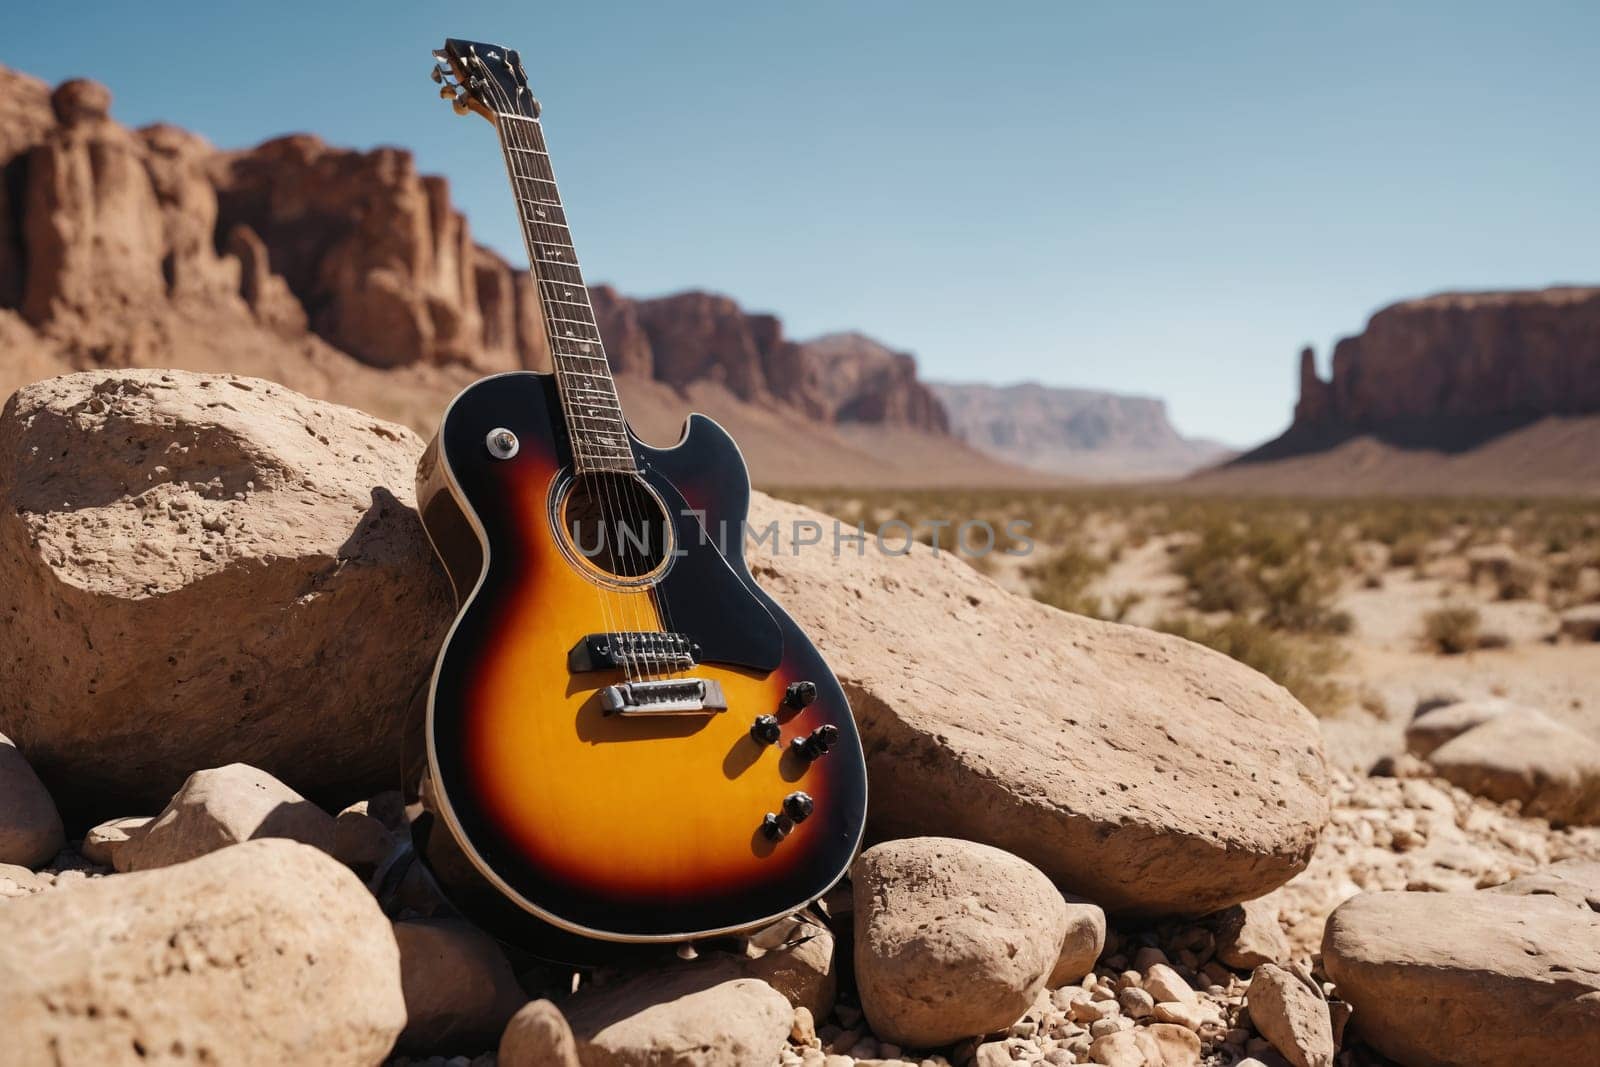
point(1166, 200)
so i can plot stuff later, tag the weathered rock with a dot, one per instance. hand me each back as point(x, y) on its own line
point(1292, 1016)
point(1081, 946)
point(1519, 974)
point(796, 957)
point(460, 992)
point(1249, 935)
point(1446, 722)
point(1135, 769)
point(1166, 984)
point(1581, 623)
point(104, 844)
point(1161, 1045)
point(952, 939)
point(372, 246)
point(203, 552)
point(1177, 1045)
point(30, 826)
point(91, 223)
point(1550, 768)
point(538, 1036)
point(224, 806)
point(268, 952)
point(706, 1014)
point(1467, 354)
point(1576, 881)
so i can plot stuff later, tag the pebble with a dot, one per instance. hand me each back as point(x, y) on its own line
point(1164, 983)
point(804, 1029)
point(1136, 1003)
point(1176, 1011)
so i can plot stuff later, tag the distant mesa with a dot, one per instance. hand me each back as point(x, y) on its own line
point(1082, 432)
point(1493, 392)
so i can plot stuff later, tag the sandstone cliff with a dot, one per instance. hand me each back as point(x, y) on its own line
point(1459, 392)
point(1527, 353)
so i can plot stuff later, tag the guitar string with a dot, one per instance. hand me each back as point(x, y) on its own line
point(502, 106)
point(629, 507)
point(633, 605)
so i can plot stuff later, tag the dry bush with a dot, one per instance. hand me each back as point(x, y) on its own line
point(1452, 630)
point(1300, 665)
point(1062, 580)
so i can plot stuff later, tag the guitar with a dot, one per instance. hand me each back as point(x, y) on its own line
point(628, 741)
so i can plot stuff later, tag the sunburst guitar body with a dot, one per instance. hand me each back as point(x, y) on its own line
point(628, 740)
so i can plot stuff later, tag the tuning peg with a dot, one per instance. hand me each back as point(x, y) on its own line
point(447, 92)
point(441, 55)
point(460, 104)
point(437, 73)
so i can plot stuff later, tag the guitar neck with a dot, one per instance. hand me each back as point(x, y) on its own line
point(583, 374)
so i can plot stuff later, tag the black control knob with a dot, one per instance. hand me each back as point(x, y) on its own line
point(817, 743)
point(766, 730)
point(800, 695)
point(798, 806)
point(776, 827)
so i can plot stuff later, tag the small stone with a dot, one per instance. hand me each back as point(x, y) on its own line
point(1082, 944)
point(864, 1049)
point(1088, 1011)
point(1102, 1027)
point(1178, 1046)
point(1136, 1003)
point(847, 1014)
point(1124, 1049)
point(803, 1031)
point(1164, 983)
point(1249, 935)
point(1291, 1016)
point(992, 1054)
point(30, 827)
point(1176, 1011)
point(102, 844)
point(1147, 957)
point(538, 1036)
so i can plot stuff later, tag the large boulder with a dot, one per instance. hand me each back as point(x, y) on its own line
point(707, 1014)
point(1469, 979)
point(30, 826)
point(952, 939)
point(1552, 770)
point(1135, 769)
point(197, 569)
point(220, 807)
point(267, 952)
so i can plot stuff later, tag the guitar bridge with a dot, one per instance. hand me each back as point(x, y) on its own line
point(669, 696)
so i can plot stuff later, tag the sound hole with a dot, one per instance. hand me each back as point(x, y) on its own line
point(616, 524)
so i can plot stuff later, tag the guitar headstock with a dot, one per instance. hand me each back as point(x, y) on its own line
point(483, 78)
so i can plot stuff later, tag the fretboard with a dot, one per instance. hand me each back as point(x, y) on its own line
point(583, 375)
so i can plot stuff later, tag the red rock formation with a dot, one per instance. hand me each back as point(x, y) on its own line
point(865, 381)
point(1476, 355)
point(25, 119)
point(138, 244)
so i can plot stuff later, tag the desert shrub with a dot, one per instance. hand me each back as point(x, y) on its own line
point(1062, 579)
point(1408, 550)
point(1452, 630)
point(1300, 665)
